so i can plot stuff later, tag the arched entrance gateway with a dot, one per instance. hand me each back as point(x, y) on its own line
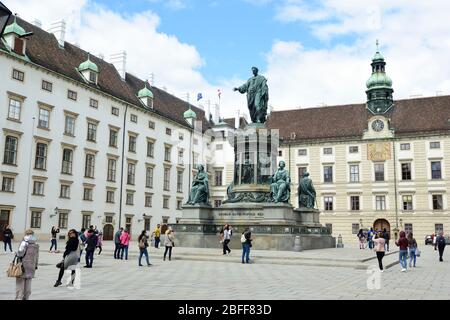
point(108, 232)
point(381, 224)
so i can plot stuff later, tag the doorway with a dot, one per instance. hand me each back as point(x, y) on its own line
point(108, 232)
point(4, 221)
point(381, 224)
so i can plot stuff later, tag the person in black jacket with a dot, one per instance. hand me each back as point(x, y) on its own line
point(70, 256)
point(246, 240)
point(91, 244)
point(440, 245)
point(54, 242)
point(7, 237)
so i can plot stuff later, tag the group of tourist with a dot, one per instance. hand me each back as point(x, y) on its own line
point(369, 236)
point(246, 241)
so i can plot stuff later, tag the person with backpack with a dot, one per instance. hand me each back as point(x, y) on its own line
point(54, 241)
point(7, 237)
point(412, 246)
point(28, 253)
point(370, 236)
point(440, 245)
point(379, 243)
point(124, 241)
point(117, 243)
point(143, 245)
point(227, 233)
point(386, 238)
point(91, 243)
point(362, 238)
point(403, 253)
point(246, 240)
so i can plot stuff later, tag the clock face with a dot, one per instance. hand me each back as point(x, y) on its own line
point(378, 125)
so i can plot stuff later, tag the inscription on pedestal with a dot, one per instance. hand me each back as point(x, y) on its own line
point(240, 214)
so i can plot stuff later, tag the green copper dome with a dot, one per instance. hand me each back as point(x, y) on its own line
point(378, 57)
point(14, 28)
point(379, 79)
point(145, 93)
point(88, 65)
point(190, 114)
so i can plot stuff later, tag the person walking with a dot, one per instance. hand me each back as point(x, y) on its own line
point(70, 256)
point(28, 253)
point(412, 247)
point(386, 237)
point(370, 236)
point(440, 245)
point(91, 244)
point(157, 234)
point(125, 241)
point(100, 242)
point(117, 243)
point(54, 241)
point(227, 232)
point(143, 245)
point(362, 238)
point(379, 243)
point(82, 242)
point(169, 243)
point(7, 237)
point(246, 240)
point(403, 244)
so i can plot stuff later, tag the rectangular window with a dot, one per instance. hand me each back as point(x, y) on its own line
point(150, 149)
point(38, 188)
point(219, 147)
point(115, 111)
point(63, 220)
point(328, 203)
point(93, 103)
point(72, 95)
point(301, 172)
point(218, 178)
point(133, 118)
point(354, 203)
point(92, 132)
point(181, 157)
point(131, 174)
point(109, 219)
point(380, 203)
point(112, 170)
point(179, 204)
point(436, 170)
point(408, 228)
point(217, 203)
point(405, 146)
point(87, 194)
point(148, 200)
point(355, 228)
point(90, 166)
point(327, 150)
point(302, 152)
point(168, 131)
point(67, 161)
point(195, 158)
point(180, 181)
point(379, 171)
point(328, 174)
point(36, 218)
point(131, 143)
point(65, 191)
point(438, 228)
point(167, 151)
point(14, 109)
point(18, 75)
point(113, 138)
point(130, 198)
point(47, 86)
point(149, 178)
point(437, 202)
point(166, 203)
point(151, 124)
point(407, 202)
point(41, 156)
point(166, 179)
point(10, 156)
point(44, 118)
point(69, 127)
point(353, 149)
point(110, 196)
point(435, 145)
point(8, 184)
point(354, 173)
point(86, 221)
point(406, 171)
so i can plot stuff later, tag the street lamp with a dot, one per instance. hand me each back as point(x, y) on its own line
point(55, 214)
point(5, 14)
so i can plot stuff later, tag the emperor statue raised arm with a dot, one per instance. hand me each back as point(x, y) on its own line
point(257, 96)
point(200, 188)
point(280, 188)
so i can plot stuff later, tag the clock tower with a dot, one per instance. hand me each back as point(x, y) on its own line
point(379, 87)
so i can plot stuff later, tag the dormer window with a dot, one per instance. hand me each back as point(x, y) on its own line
point(93, 77)
point(146, 96)
point(13, 35)
point(89, 71)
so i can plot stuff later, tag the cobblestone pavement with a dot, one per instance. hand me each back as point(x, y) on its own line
point(204, 280)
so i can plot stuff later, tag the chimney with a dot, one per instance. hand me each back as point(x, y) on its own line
point(101, 56)
point(37, 23)
point(119, 60)
point(59, 31)
point(217, 113)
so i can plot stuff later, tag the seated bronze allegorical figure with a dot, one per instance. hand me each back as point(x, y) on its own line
point(200, 188)
point(280, 188)
point(306, 192)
